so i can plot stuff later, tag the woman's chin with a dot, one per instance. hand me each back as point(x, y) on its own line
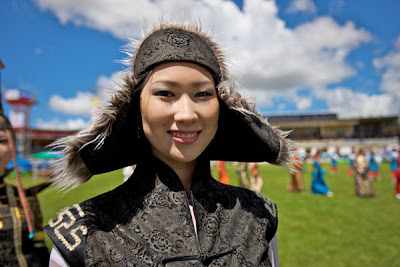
point(185, 158)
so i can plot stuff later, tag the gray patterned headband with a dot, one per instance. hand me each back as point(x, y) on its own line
point(174, 45)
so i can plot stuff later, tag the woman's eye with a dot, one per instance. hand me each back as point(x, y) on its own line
point(164, 93)
point(203, 94)
point(3, 141)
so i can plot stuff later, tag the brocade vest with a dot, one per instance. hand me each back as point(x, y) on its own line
point(147, 222)
point(16, 248)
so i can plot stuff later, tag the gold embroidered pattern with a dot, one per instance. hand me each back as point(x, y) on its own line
point(68, 225)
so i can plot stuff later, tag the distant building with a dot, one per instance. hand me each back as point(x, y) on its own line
point(327, 131)
point(322, 126)
point(42, 138)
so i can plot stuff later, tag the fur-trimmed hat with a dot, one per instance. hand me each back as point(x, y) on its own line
point(116, 139)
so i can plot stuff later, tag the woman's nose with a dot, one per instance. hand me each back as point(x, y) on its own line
point(185, 110)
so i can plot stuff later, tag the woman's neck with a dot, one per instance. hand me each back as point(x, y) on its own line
point(185, 171)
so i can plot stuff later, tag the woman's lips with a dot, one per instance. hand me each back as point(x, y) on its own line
point(184, 137)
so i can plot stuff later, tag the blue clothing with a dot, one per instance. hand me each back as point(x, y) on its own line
point(318, 185)
point(373, 165)
point(351, 162)
point(393, 164)
point(334, 162)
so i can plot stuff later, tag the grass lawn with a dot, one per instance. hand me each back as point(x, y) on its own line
point(313, 230)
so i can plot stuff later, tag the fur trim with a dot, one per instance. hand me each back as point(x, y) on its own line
point(70, 171)
point(286, 152)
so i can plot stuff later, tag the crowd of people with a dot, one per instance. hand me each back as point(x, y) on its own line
point(363, 166)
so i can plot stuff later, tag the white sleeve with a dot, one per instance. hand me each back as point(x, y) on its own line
point(56, 259)
point(273, 252)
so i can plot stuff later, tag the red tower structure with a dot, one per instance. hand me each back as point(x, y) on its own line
point(21, 102)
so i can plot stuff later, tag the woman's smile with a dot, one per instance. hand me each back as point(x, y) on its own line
point(186, 137)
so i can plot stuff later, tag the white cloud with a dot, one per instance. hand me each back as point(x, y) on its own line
point(326, 34)
point(390, 64)
point(79, 105)
point(125, 18)
point(312, 55)
point(106, 85)
point(84, 102)
point(349, 104)
point(269, 55)
point(307, 6)
point(303, 103)
point(56, 124)
point(271, 59)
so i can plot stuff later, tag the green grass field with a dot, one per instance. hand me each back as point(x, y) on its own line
point(313, 230)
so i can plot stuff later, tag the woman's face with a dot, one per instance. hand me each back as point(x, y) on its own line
point(5, 151)
point(180, 111)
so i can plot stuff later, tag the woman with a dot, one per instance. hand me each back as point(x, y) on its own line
point(397, 180)
point(334, 162)
point(362, 183)
point(296, 182)
point(222, 172)
point(374, 170)
point(174, 114)
point(243, 171)
point(351, 157)
point(318, 185)
point(255, 180)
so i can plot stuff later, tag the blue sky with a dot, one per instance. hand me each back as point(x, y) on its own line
point(293, 56)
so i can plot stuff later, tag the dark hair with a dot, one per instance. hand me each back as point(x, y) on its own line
point(5, 125)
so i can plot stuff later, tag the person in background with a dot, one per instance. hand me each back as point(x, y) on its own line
point(334, 162)
point(222, 173)
point(17, 246)
point(176, 112)
point(351, 157)
point(363, 185)
point(296, 174)
point(374, 170)
point(397, 184)
point(243, 171)
point(393, 160)
point(255, 179)
point(397, 178)
point(318, 184)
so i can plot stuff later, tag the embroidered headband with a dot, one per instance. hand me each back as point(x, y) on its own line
point(174, 45)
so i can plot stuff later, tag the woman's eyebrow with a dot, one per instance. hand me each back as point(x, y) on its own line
point(200, 83)
point(193, 84)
